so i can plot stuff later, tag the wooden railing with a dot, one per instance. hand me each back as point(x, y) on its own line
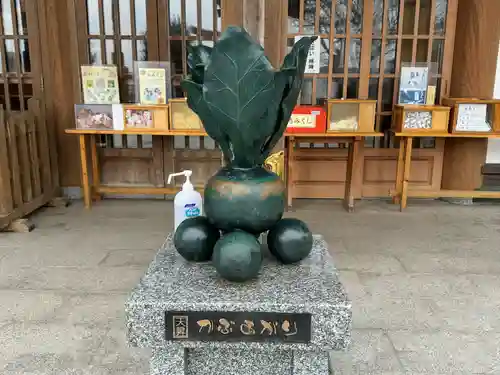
point(28, 174)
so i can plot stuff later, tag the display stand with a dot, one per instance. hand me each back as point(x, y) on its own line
point(420, 119)
point(353, 115)
point(438, 128)
point(91, 184)
point(474, 116)
point(356, 119)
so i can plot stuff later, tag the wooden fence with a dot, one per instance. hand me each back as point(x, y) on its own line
point(28, 174)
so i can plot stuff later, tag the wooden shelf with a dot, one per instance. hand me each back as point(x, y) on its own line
point(448, 135)
point(336, 135)
point(135, 132)
point(146, 190)
point(414, 193)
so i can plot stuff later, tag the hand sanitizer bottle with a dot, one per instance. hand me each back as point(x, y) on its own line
point(187, 202)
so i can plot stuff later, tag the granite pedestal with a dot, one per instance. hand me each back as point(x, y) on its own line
point(173, 284)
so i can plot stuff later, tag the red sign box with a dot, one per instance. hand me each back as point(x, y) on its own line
point(307, 119)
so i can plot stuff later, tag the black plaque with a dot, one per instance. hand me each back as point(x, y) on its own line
point(238, 326)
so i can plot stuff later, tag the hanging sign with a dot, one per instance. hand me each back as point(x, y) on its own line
point(314, 56)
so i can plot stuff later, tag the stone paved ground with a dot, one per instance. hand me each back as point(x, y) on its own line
point(425, 285)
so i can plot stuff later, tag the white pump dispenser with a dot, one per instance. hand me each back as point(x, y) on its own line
point(187, 202)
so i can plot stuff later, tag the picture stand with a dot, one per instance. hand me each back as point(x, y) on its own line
point(417, 84)
point(93, 116)
point(100, 84)
point(152, 82)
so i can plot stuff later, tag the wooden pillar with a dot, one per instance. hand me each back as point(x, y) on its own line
point(474, 68)
point(58, 71)
point(266, 21)
point(275, 23)
point(232, 13)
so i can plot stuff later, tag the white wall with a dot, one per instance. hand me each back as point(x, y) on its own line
point(493, 154)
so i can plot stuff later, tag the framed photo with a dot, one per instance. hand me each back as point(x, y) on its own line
point(138, 118)
point(152, 82)
point(145, 117)
point(182, 118)
point(100, 84)
point(94, 116)
point(413, 85)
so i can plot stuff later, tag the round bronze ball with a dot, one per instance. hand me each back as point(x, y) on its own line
point(237, 256)
point(290, 240)
point(195, 239)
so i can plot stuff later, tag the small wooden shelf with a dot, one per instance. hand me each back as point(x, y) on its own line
point(425, 119)
point(350, 115)
point(463, 108)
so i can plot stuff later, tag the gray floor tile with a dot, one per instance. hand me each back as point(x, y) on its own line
point(424, 285)
point(19, 305)
point(370, 352)
point(447, 352)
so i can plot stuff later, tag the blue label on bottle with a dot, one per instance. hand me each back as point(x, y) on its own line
point(190, 210)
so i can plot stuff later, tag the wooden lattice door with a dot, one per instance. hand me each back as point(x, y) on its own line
point(20, 65)
point(182, 22)
point(120, 32)
point(363, 46)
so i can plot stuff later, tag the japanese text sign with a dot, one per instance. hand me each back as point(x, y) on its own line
point(313, 57)
point(238, 326)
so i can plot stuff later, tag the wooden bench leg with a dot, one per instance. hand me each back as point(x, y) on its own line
point(85, 173)
point(396, 198)
point(290, 148)
point(406, 173)
point(352, 160)
point(96, 177)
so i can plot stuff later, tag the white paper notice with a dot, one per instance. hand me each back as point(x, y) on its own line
point(473, 118)
point(118, 123)
point(314, 56)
